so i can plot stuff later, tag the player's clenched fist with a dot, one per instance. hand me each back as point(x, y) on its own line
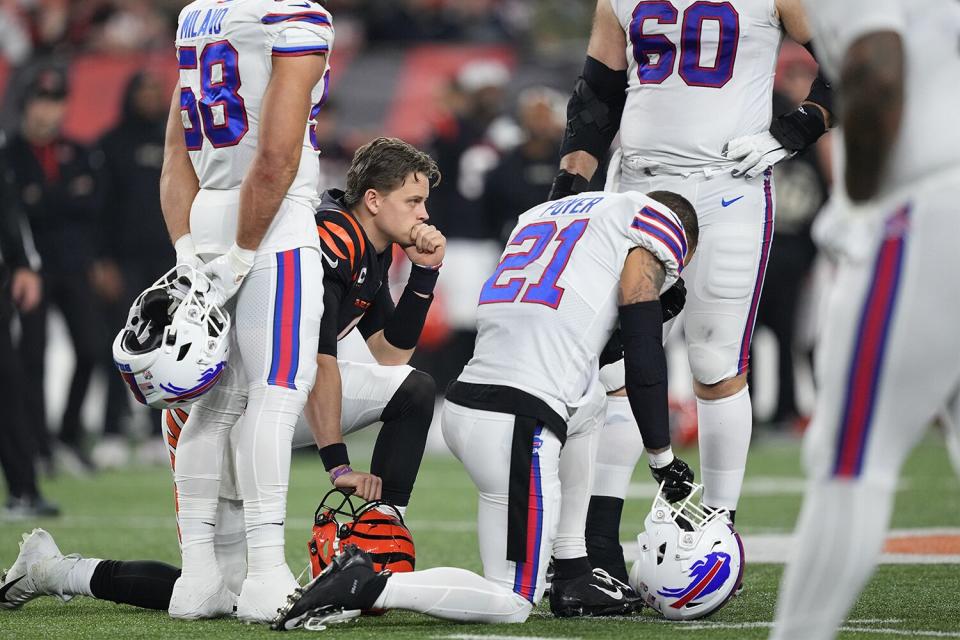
point(427, 245)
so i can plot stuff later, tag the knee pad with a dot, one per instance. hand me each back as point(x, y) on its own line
point(711, 363)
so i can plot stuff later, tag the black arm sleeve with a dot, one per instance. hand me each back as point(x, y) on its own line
point(645, 364)
point(333, 292)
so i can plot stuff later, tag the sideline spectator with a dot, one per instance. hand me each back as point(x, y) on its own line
point(57, 187)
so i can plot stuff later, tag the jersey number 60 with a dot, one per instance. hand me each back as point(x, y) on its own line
point(656, 55)
point(220, 108)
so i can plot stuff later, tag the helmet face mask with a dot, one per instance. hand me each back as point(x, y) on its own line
point(691, 560)
point(174, 346)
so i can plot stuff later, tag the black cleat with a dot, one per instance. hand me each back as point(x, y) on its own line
point(592, 594)
point(346, 587)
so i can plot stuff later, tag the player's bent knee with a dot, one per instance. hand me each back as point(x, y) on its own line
point(417, 396)
point(720, 390)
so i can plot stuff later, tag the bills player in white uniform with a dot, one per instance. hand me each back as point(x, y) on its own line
point(890, 355)
point(570, 269)
point(238, 189)
point(688, 84)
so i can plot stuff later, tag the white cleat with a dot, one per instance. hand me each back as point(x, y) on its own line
point(261, 598)
point(200, 599)
point(39, 570)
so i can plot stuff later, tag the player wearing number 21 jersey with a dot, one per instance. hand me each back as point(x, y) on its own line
point(570, 270)
point(239, 187)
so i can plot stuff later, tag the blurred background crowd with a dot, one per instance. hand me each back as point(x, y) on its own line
point(482, 85)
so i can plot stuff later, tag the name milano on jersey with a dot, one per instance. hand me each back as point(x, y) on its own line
point(699, 73)
point(552, 303)
point(225, 50)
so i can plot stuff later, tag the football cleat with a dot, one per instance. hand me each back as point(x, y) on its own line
point(346, 587)
point(39, 570)
point(261, 598)
point(200, 599)
point(592, 594)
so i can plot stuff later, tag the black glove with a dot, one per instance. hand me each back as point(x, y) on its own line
point(613, 350)
point(673, 299)
point(567, 184)
point(675, 478)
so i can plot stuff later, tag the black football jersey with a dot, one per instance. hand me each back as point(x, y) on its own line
point(356, 292)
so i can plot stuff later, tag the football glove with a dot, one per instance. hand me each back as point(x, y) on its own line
point(567, 184)
point(187, 251)
point(227, 273)
point(755, 153)
point(673, 299)
point(676, 478)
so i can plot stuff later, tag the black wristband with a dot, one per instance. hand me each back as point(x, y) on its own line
point(404, 326)
point(334, 455)
point(800, 128)
point(567, 184)
point(422, 279)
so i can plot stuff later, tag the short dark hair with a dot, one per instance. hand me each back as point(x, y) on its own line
point(384, 164)
point(684, 210)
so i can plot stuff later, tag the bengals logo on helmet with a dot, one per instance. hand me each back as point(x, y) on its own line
point(375, 527)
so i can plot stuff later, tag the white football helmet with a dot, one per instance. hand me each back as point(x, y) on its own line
point(174, 346)
point(691, 561)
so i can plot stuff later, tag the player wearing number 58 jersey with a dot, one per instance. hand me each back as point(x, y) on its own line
point(688, 86)
point(571, 269)
point(238, 190)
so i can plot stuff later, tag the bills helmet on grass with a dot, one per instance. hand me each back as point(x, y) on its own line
point(173, 348)
point(691, 559)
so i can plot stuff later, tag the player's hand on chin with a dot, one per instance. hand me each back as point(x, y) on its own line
point(427, 245)
point(364, 485)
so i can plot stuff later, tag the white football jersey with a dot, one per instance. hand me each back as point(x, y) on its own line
point(550, 307)
point(225, 50)
point(699, 74)
point(929, 141)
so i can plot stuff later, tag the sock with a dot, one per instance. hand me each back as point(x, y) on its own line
point(403, 437)
point(576, 479)
point(142, 583)
point(77, 580)
point(618, 451)
point(262, 460)
point(453, 594)
point(572, 568)
point(839, 537)
point(199, 455)
point(725, 426)
point(230, 543)
point(603, 536)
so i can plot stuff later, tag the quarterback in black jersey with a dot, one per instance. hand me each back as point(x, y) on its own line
point(384, 204)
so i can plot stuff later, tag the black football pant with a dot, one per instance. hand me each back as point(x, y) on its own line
point(16, 439)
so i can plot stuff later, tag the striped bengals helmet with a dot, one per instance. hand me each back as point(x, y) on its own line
point(376, 527)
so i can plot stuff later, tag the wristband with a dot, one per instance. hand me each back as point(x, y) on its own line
point(405, 325)
point(423, 279)
point(660, 460)
point(185, 248)
point(334, 455)
point(341, 471)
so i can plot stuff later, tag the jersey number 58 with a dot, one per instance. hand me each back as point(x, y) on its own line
point(220, 108)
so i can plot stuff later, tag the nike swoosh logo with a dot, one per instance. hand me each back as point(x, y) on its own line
point(5, 588)
point(616, 594)
point(333, 263)
point(727, 203)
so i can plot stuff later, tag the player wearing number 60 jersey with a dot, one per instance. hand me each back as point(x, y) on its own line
point(688, 86)
point(238, 190)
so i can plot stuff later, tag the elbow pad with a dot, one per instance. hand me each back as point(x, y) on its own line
point(595, 109)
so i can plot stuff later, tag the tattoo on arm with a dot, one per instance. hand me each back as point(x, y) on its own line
point(642, 278)
point(872, 105)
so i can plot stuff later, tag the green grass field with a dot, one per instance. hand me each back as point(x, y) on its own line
point(128, 515)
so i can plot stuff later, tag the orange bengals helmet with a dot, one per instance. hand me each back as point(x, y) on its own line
point(376, 527)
